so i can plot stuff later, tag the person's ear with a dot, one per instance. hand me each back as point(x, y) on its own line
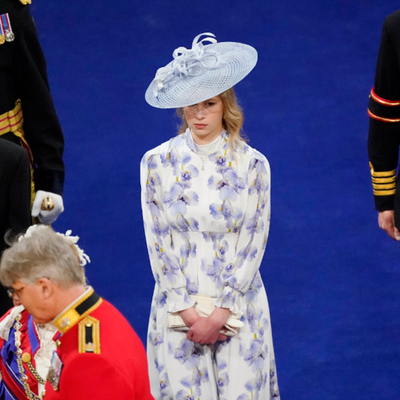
point(46, 287)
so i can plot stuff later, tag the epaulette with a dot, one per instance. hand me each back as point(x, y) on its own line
point(89, 335)
point(382, 109)
point(25, 2)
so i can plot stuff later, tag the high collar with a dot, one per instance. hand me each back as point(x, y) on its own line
point(78, 309)
point(218, 144)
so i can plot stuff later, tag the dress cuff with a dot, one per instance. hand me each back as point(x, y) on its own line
point(228, 299)
point(178, 300)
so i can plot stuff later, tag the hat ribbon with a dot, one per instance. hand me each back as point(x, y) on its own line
point(188, 62)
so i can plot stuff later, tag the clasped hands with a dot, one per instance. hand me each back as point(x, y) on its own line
point(205, 330)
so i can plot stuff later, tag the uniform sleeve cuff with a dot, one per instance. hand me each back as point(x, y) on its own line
point(49, 181)
point(384, 203)
point(228, 299)
point(178, 300)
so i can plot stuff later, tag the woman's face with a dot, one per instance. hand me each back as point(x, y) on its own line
point(205, 119)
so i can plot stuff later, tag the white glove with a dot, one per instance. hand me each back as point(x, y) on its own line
point(50, 215)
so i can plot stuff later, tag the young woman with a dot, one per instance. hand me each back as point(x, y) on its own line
point(206, 210)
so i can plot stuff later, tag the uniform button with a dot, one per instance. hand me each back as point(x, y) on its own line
point(26, 357)
point(58, 343)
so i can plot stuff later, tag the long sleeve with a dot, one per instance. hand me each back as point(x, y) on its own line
point(242, 273)
point(164, 263)
point(19, 195)
point(384, 112)
point(41, 125)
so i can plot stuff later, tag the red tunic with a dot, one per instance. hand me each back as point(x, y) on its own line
point(117, 371)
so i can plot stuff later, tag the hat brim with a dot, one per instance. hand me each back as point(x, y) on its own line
point(236, 60)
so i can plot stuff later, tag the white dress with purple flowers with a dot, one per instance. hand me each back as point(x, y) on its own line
point(206, 213)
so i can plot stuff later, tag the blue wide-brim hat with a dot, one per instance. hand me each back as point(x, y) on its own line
point(200, 73)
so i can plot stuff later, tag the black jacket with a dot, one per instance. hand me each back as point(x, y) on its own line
point(23, 76)
point(15, 198)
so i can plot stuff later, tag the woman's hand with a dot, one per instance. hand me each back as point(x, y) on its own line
point(189, 316)
point(206, 330)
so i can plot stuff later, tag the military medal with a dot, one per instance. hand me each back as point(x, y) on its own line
point(6, 30)
point(53, 377)
point(10, 36)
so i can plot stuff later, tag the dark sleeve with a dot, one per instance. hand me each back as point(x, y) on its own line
point(384, 112)
point(19, 195)
point(41, 125)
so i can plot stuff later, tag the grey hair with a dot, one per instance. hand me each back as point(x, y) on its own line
point(44, 254)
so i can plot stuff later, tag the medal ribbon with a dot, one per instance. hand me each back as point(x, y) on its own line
point(2, 32)
point(34, 341)
point(5, 22)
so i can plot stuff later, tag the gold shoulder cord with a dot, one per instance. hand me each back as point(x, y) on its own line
point(24, 379)
point(25, 2)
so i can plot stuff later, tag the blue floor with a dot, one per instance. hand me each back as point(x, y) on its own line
point(331, 275)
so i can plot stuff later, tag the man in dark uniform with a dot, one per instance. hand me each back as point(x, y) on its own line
point(15, 198)
point(27, 114)
point(384, 128)
point(99, 356)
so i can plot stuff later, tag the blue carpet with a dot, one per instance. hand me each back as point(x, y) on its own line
point(331, 275)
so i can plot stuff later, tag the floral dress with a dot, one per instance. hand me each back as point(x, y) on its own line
point(206, 213)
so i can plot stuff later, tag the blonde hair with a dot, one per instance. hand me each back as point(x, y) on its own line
point(232, 120)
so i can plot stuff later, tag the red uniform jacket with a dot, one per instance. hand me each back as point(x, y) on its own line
point(101, 355)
